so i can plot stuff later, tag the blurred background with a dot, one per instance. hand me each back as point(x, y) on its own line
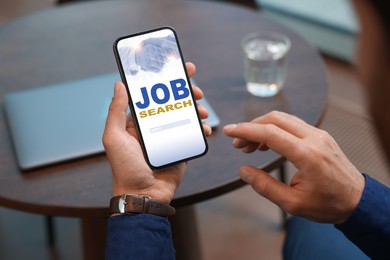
point(228, 227)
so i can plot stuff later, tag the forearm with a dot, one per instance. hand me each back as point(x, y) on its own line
point(139, 236)
point(369, 225)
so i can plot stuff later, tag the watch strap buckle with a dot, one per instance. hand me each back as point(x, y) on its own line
point(129, 203)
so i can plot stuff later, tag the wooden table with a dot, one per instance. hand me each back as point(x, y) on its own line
point(75, 41)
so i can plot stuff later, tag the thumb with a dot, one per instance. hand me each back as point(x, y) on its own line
point(268, 187)
point(117, 113)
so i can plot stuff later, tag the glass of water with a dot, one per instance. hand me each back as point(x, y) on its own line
point(265, 57)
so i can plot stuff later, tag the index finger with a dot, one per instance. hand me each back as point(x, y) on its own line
point(277, 139)
point(287, 122)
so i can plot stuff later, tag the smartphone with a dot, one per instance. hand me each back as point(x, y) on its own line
point(160, 97)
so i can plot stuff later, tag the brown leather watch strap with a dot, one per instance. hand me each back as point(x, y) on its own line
point(129, 203)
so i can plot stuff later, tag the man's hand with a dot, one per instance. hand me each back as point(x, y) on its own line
point(326, 188)
point(131, 174)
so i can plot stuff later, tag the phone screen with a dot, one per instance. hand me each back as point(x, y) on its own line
point(160, 97)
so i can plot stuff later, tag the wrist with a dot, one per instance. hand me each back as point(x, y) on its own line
point(142, 193)
point(157, 193)
point(354, 198)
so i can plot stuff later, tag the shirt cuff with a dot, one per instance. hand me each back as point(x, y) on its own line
point(369, 225)
point(371, 209)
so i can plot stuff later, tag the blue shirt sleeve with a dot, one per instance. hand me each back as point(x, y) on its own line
point(369, 225)
point(139, 236)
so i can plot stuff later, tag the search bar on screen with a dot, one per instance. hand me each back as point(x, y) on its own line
point(170, 125)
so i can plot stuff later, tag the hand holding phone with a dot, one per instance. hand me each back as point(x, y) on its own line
point(160, 97)
point(131, 173)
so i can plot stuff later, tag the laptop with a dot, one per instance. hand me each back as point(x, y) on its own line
point(61, 122)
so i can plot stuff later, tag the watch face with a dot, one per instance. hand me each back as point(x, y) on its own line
point(122, 204)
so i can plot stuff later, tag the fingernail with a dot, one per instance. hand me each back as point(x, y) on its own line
point(117, 87)
point(229, 127)
point(246, 175)
point(235, 141)
point(208, 130)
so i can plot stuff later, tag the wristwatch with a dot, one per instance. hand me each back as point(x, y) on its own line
point(129, 203)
